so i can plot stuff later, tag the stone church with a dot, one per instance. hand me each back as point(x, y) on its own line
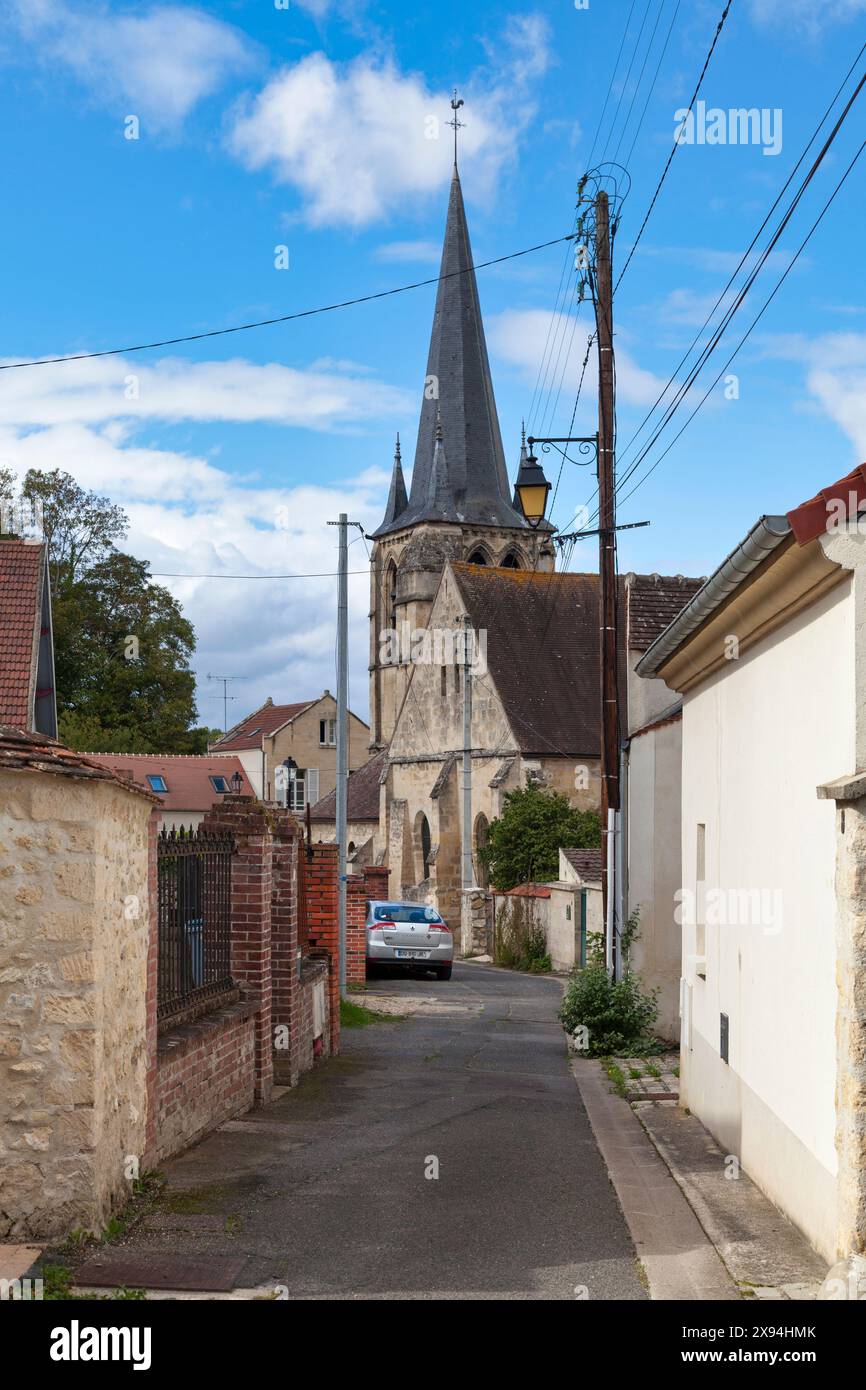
point(454, 553)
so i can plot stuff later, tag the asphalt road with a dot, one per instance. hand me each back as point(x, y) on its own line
point(325, 1192)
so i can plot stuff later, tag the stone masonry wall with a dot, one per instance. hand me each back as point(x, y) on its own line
point(74, 936)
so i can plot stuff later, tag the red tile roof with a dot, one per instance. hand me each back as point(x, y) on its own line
point(186, 777)
point(22, 565)
point(250, 731)
point(811, 518)
point(21, 750)
point(528, 890)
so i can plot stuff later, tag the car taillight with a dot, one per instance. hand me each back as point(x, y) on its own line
point(436, 926)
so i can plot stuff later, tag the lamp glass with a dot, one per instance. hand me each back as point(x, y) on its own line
point(533, 499)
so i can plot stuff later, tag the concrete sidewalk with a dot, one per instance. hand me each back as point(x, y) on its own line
point(678, 1259)
point(701, 1226)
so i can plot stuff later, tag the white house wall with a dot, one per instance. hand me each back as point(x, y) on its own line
point(758, 737)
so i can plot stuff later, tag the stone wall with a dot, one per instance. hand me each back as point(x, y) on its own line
point(74, 938)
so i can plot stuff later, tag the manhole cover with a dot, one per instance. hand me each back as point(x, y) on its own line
point(213, 1274)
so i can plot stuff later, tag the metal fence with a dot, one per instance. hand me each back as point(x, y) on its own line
point(194, 897)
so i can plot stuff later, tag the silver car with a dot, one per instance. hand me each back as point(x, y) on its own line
point(408, 934)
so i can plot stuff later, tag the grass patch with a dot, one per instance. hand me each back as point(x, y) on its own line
point(652, 1070)
point(357, 1016)
point(616, 1075)
point(635, 1073)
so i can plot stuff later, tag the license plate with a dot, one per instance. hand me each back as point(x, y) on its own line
point(412, 955)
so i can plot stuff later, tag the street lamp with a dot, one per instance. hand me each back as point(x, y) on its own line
point(532, 488)
point(237, 782)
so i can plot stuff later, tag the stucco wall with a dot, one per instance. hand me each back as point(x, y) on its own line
point(654, 864)
point(758, 737)
point(74, 931)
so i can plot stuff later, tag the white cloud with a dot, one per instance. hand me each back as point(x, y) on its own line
point(806, 15)
point(427, 251)
point(835, 377)
point(521, 337)
point(361, 139)
point(189, 516)
point(159, 62)
point(329, 395)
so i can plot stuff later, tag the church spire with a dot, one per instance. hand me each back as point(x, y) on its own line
point(458, 390)
point(397, 498)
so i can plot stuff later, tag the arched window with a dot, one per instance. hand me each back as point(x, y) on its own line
point(511, 561)
point(479, 836)
point(478, 557)
point(421, 846)
point(391, 595)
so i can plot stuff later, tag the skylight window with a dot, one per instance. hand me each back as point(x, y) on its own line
point(219, 784)
point(156, 783)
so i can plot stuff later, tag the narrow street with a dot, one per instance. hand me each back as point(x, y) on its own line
point(324, 1192)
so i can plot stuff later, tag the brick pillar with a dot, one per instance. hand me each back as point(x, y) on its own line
point(320, 891)
point(152, 969)
point(376, 878)
point(284, 947)
point(356, 916)
point(251, 918)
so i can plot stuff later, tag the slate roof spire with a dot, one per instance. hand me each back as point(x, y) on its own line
point(397, 497)
point(458, 390)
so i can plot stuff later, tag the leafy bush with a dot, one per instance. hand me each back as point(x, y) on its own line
point(523, 844)
point(618, 1015)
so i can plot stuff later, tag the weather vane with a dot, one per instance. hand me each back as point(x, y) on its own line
point(457, 125)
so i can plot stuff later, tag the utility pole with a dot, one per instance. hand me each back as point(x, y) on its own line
point(607, 566)
point(342, 741)
point(468, 876)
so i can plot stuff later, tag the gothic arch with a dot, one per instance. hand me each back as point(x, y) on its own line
point(512, 560)
point(390, 595)
point(421, 846)
point(480, 555)
point(479, 840)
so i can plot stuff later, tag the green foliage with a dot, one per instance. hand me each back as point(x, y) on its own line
point(523, 844)
point(518, 941)
point(618, 1015)
point(122, 647)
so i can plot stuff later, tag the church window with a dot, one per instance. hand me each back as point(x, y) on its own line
point(443, 680)
point(511, 561)
point(478, 557)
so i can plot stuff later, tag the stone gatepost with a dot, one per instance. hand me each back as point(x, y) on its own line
point(473, 922)
point(849, 793)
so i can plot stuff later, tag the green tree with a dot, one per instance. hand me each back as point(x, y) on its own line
point(122, 647)
point(523, 844)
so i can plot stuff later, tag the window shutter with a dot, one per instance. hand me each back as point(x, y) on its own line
point(312, 787)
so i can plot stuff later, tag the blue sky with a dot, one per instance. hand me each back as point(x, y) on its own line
point(310, 127)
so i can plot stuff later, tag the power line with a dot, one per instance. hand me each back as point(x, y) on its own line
point(652, 87)
point(283, 318)
point(710, 347)
point(324, 574)
point(675, 146)
point(751, 327)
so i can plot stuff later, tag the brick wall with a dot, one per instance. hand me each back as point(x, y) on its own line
point(205, 1075)
point(320, 891)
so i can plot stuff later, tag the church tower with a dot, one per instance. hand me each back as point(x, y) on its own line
point(460, 504)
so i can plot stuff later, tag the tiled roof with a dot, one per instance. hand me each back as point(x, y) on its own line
point(21, 750)
point(586, 862)
point(528, 890)
point(363, 793)
point(22, 566)
point(654, 600)
point(811, 518)
point(186, 777)
point(666, 716)
point(542, 653)
point(250, 731)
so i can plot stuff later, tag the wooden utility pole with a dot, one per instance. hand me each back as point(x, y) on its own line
point(606, 559)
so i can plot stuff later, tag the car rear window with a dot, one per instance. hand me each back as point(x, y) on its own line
point(403, 912)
